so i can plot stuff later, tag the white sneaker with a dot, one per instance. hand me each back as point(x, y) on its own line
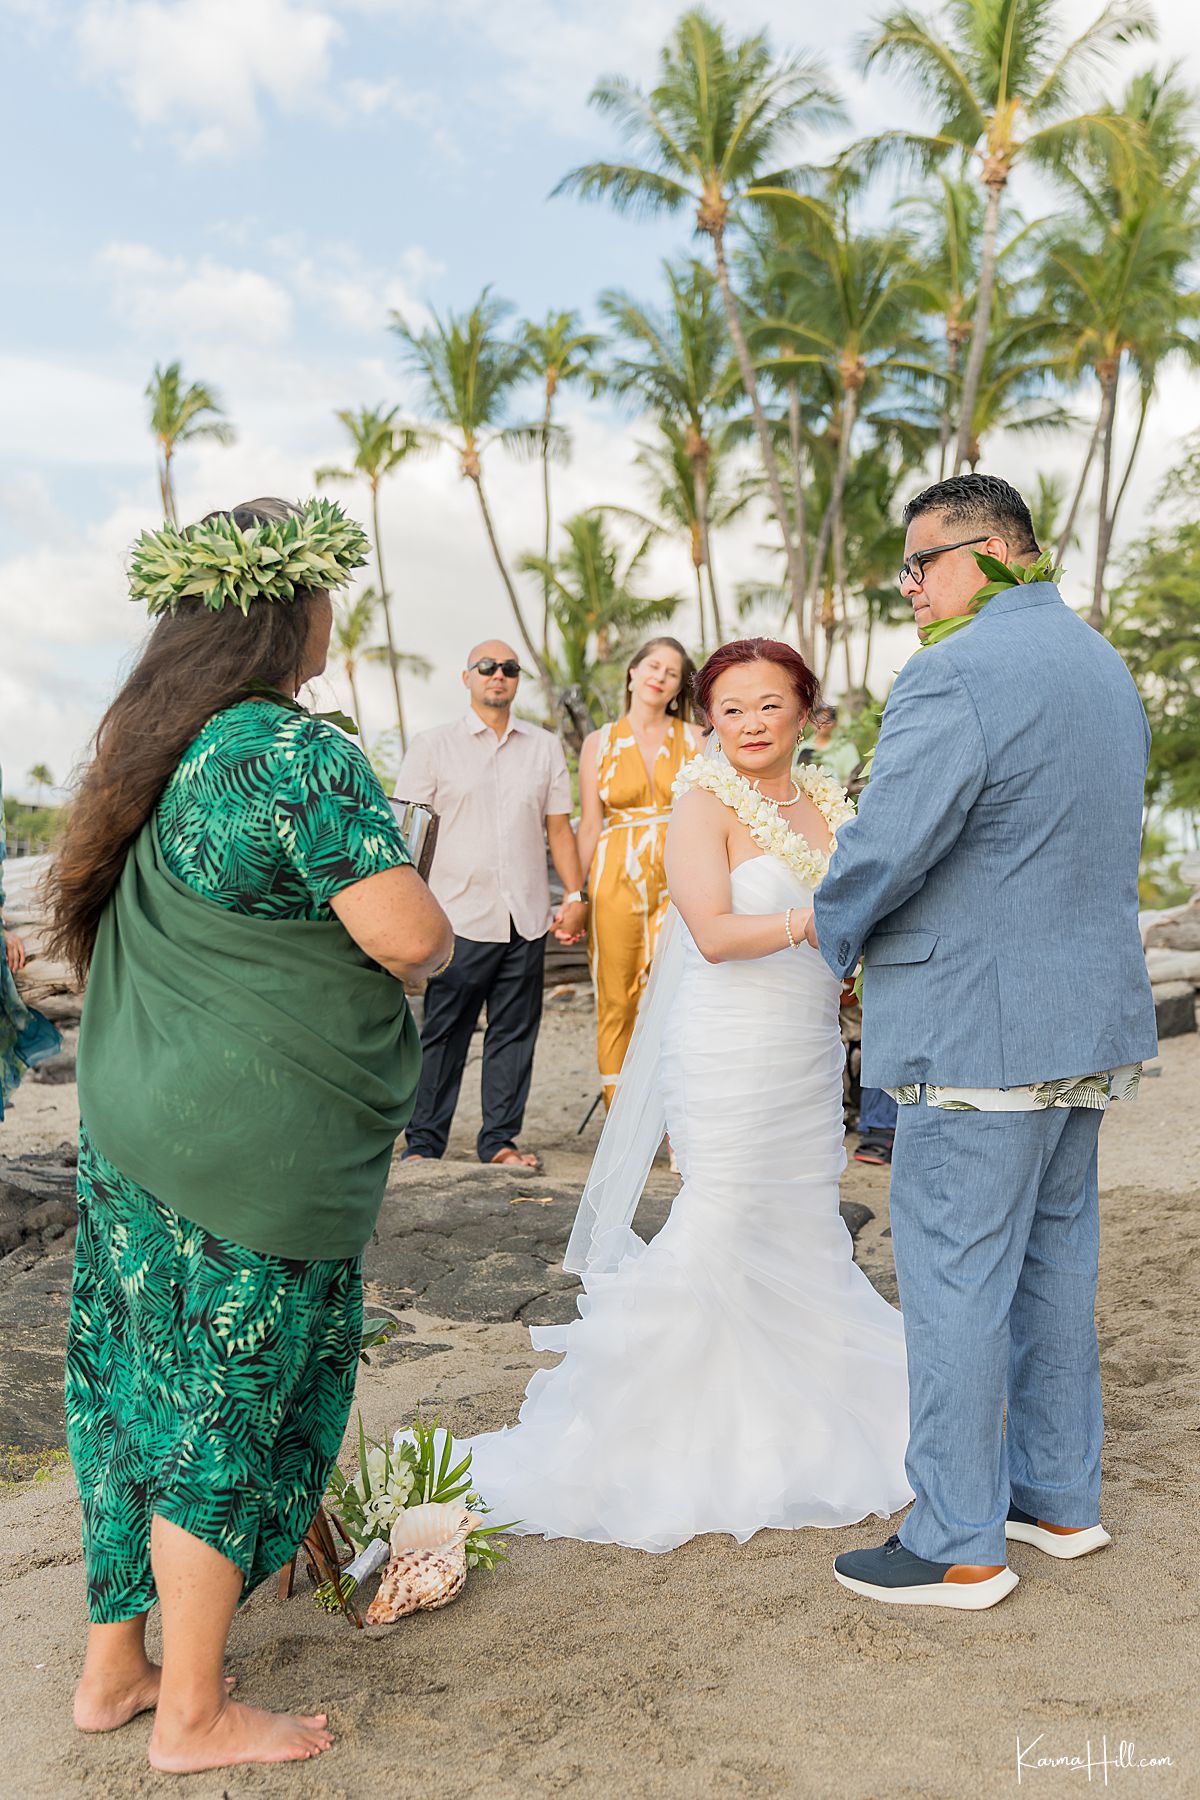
point(1020, 1527)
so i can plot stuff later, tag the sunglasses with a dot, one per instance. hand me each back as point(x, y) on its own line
point(913, 568)
point(487, 665)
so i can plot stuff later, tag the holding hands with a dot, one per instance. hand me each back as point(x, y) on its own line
point(570, 921)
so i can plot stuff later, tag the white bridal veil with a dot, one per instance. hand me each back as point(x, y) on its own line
point(637, 1122)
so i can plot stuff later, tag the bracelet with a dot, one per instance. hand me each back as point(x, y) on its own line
point(442, 967)
point(787, 926)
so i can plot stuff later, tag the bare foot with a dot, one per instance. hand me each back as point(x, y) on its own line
point(237, 1734)
point(524, 1159)
point(101, 1706)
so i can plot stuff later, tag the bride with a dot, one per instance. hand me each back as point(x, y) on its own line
point(739, 1371)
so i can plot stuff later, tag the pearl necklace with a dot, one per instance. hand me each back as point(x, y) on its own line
point(782, 804)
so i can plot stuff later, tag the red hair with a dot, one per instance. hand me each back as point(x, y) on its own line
point(804, 683)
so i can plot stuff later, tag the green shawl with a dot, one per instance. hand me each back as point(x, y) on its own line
point(253, 1074)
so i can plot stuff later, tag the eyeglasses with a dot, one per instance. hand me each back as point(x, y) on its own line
point(913, 567)
point(487, 665)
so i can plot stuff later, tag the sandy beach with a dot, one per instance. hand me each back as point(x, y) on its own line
point(594, 1671)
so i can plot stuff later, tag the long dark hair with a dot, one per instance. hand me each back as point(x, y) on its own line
point(194, 664)
point(680, 707)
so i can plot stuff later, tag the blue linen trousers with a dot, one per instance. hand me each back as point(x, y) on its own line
point(996, 1235)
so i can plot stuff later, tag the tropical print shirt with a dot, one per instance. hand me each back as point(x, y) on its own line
point(272, 812)
point(1095, 1091)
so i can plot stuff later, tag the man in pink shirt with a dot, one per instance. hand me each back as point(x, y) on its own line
point(501, 790)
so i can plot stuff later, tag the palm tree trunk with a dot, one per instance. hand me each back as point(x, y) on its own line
point(700, 485)
point(865, 684)
point(1147, 397)
point(1064, 536)
point(849, 407)
point(700, 603)
point(946, 421)
point(981, 321)
point(821, 553)
point(1108, 414)
point(386, 603)
point(546, 502)
point(165, 488)
point(796, 441)
point(539, 664)
point(766, 447)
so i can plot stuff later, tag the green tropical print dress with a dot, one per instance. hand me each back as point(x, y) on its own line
point(205, 1382)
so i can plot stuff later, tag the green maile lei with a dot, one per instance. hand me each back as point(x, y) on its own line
point(1001, 576)
point(220, 564)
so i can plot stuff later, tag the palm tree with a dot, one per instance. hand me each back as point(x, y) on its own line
point(677, 359)
point(559, 352)
point(709, 133)
point(1000, 83)
point(1119, 277)
point(851, 316)
point(41, 778)
point(178, 415)
point(948, 226)
point(1015, 388)
point(670, 465)
point(467, 371)
point(380, 446)
point(353, 622)
point(595, 601)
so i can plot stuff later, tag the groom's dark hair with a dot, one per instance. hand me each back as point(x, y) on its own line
point(982, 503)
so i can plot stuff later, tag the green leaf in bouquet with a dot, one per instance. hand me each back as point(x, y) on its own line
point(362, 1458)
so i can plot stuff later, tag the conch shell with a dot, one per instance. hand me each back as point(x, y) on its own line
point(428, 1565)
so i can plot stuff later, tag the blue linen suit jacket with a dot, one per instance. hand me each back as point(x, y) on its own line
point(990, 878)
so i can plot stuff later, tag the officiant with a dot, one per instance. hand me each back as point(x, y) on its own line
point(502, 792)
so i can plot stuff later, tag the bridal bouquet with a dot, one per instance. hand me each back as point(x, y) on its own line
point(418, 1468)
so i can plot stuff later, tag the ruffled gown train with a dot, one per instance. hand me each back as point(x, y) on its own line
point(739, 1371)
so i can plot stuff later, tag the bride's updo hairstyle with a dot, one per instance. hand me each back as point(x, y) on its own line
point(804, 683)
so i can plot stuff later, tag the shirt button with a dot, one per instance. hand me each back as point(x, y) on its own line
point(843, 951)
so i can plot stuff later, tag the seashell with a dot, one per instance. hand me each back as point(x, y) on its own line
point(433, 1526)
point(428, 1565)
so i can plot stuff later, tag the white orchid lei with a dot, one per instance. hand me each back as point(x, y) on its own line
point(762, 817)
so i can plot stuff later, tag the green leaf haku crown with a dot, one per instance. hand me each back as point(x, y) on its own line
point(218, 562)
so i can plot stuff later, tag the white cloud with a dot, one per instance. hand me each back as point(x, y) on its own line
point(359, 297)
point(60, 412)
point(200, 69)
point(177, 299)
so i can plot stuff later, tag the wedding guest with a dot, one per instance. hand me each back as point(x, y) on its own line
point(876, 1127)
point(502, 791)
point(626, 774)
point(234, 886)
point(830, 746)
point(26, 1037)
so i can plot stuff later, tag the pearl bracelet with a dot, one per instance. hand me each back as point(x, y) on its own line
point(787, 926)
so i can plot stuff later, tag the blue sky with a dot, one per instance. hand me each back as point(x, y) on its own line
point(250, 185)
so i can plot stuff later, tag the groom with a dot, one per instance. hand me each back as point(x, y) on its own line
point(990, 884)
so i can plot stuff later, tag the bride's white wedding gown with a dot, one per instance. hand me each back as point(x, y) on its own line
point(739, 1371)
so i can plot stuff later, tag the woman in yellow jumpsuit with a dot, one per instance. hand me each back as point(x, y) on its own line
point(626, 773)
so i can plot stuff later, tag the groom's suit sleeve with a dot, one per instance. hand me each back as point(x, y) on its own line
point(930, 764)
